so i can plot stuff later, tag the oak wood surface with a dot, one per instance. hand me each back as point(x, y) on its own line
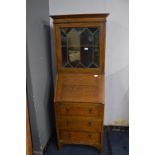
point(79, 109)
point(60, 68)
point(79, 18)
point(85, 16)
point(79, 123)
point(79, 92)
point(28, 133)
point(79, 88)
point(80, 137)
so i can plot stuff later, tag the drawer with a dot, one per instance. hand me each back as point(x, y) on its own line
point(81, 109)
point(79, 123)
point(80, 137)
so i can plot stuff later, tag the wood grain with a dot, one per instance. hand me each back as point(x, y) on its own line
point(79, 88)
point(79, 109)
point(79, 137)
point(79, 123)
point(79, 18)
point(28, 133)
point(60, 68)
point(79, 92)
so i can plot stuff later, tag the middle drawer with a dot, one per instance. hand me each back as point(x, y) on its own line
point(80, 109)
point(79, 123)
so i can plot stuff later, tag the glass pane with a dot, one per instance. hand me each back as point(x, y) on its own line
point(80, 47)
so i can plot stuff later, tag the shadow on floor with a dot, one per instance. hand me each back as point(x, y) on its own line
point(116, 142)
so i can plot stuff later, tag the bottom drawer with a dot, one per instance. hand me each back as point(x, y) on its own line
point(74, 137)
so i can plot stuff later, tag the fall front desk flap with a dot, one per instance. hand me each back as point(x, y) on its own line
point(79, 88)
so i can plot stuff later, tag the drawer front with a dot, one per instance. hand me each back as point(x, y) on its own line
point(80, 137)
point(95, 110)
point(79, 123)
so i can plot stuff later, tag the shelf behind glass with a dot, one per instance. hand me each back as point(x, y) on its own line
point(80, 47)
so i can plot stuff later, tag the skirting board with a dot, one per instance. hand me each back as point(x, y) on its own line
point(38, 153)
point(117, 128)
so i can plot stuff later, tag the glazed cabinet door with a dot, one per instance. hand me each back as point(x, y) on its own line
point(80, 47)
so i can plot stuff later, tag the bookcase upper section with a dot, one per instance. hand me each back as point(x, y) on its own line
point(80, 42)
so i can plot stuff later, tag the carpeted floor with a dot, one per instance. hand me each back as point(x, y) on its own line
point(116, 142)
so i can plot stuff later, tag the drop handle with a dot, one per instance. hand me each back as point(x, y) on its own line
point(67, 122)
point(90, 110)
point(89, 123)
point(90, 136)
point(67, 109)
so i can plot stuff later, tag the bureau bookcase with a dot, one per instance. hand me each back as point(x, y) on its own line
point(79, 89)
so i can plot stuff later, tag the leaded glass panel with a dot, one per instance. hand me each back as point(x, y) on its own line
point(80, 47)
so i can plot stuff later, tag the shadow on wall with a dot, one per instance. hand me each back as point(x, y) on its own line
point(50, 105)
point(117, 98)
point(53, 56)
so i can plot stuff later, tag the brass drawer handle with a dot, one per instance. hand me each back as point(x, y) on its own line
point(67, 122)
point(89, 123)
point(67, 109)
point(89, 135)
point(90, 110)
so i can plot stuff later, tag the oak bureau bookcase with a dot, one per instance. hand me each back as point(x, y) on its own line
point(79, 93)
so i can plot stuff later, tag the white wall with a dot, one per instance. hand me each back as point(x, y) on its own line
point(38, 73)
point(117, 50)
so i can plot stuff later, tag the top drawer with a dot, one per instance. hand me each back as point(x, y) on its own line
point(79, 109)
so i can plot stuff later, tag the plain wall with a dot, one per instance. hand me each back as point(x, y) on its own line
point(39, 73)
point(117, 51)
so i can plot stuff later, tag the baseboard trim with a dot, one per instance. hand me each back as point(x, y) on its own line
point(43, 150)
point(112, 128)
point(47, 144)
point(38, 153)
point(118, 128)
